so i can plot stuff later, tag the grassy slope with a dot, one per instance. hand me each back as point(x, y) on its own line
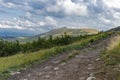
point(75, 32)
point(112, 56)
point(61, 31)
point(21, 60)
point(55, 33)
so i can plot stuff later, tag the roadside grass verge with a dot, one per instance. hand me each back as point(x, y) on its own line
point(19, 61)
point(111, 56)
point(112, 52)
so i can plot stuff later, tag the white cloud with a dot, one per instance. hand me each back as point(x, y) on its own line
point(28, 15)
point(18, 24)
point(49, 14)
point(25, 6)
point(10, 5)
point(41, 23)
point(117, 15)
point(47, 23)
point(68, 8)
point(11, 26)
point(71, 8)
point(50, 21)
point(112, 3)
point(104, 20)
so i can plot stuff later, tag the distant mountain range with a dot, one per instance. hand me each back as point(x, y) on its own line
point(11, 32)
point(21, 35)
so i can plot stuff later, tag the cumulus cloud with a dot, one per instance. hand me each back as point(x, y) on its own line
point(112, 3)
point(43, 15)
point(49, 20)
point(68, 8)
point(47, 24)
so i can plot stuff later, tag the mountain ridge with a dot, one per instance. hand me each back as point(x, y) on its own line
point(70, 31)
point(115, 29)
point(54, 33)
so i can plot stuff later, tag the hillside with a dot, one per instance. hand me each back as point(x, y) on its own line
point(89, 57)
point(60, 31)
point(115, 29)
point(75, 62)
point(70, 31)
point(54, 33)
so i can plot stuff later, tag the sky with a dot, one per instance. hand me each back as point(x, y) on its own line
point(39, 16)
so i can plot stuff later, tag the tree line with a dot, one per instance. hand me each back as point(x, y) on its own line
point(11, 48)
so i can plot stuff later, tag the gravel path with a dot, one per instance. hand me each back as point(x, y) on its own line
point(84, 66)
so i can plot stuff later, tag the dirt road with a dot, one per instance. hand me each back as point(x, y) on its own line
point(84, 66)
